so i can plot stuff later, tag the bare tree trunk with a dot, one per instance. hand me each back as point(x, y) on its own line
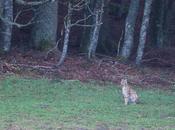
point(96, 29)
point(85, 39)
point(160, 25)
point(143, 31)
point(45, 29)
point(1, 7)
point(6, 32)
point(169, 25)
point(67, 28)
point(129, 29)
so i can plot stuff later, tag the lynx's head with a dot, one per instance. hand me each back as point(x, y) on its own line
point(124, 82)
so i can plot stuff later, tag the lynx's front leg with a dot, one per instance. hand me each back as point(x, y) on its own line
point(126, 100)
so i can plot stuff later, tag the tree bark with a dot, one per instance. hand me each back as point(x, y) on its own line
point(143, 31)
point(6, 27)
point(1, 7)
point(97, 18)
point(45, 29)
point(129, 29)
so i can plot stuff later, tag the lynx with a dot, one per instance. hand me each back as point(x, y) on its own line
point(130, 96)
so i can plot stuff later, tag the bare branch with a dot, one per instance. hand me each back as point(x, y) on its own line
point(35, 3)
point(81, 20)
point(18, 24)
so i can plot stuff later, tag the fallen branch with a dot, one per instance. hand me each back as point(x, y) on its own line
point(36, 67)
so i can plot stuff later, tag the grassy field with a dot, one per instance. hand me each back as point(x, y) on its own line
point(43, 104)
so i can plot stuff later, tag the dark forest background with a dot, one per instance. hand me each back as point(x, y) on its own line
point(134, 32)
point(160, 36)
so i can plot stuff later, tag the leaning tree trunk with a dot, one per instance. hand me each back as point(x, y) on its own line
point(97, 18)
point(105, 40)
point(129, 29)
point(45, 29)
point(6, 27)
point(143, 31)
point(67, 28)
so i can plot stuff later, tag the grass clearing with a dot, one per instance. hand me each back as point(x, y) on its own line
point(49, 105)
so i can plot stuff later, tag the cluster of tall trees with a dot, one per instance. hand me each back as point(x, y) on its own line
point(102, 25)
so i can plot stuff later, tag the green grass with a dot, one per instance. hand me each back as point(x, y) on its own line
point(48, 105)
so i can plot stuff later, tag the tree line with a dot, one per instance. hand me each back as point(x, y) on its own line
point(49, 23)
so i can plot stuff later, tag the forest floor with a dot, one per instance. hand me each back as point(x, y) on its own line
point(103, 69)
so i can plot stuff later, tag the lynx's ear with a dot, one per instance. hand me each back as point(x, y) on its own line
point(124, 82)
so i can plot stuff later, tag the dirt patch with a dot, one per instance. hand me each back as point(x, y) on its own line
point(14, 127)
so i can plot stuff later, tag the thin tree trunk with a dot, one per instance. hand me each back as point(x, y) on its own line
point(96, 29)
point(85, 38)
point(129, 29)
point(1, 7)
point(169, 25)
point(6, 32)
point(66, 34)
point(160, 26)
point(143, 31)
